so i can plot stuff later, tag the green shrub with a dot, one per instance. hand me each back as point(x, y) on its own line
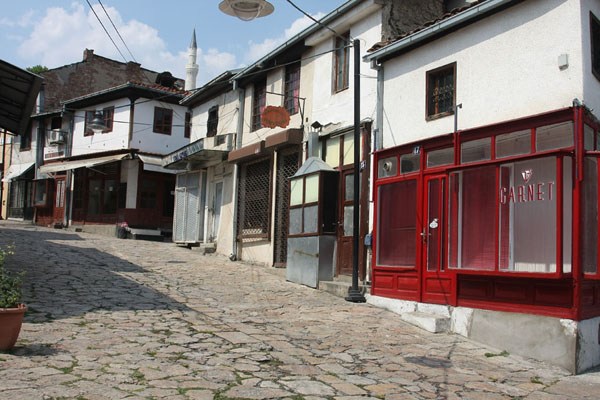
point(11, 284)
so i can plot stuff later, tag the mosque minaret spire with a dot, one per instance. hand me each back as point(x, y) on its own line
point(192, 68)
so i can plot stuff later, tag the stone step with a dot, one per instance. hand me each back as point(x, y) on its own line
point(340, 289)
point(433, 323)
point(146, 234)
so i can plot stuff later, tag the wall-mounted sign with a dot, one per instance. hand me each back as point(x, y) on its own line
point(272, 117)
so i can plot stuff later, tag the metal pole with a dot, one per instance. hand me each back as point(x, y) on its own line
point(354, 293)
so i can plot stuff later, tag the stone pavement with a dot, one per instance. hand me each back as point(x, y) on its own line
point(112, 319)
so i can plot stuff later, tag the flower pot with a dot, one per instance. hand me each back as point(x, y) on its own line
point(11, 320)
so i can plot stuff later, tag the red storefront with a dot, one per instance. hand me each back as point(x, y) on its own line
point(501, 217)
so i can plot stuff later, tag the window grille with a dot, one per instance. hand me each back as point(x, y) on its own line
point(287, 165)
point(441, 91)
point(254, 199)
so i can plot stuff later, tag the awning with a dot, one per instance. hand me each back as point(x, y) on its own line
point(16, 170)
point(18, 92)
point(155, 163)
point(194, 156)
point(85, 163)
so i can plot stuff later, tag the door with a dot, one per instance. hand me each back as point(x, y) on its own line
point(436, 282)
point(218, 200)
point(346, 224)
point(189, 208)
point(59, 200)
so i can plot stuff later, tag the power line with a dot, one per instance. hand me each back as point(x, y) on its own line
point(103, 27)
point(116, 30)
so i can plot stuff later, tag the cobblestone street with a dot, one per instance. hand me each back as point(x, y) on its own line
point(111, 319)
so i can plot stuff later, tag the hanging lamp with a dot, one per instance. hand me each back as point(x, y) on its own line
point(246, 10)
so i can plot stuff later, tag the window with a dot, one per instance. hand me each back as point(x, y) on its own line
point(441, 91)
point(163, 120)
point(259, 101)
point(148, 193)
point(304, 206)
point(341, 62)
point(108, 117)
point(40, 197)
point(188, 125)
point(595, 43)
point(292, 88)
point(26, 139)
point(213, 121)
point(254, 202)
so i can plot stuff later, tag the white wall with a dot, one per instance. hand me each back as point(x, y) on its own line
point(228, 115)
point(99, 142)
point(507, 67)
point(591, 84)
point(25, 156)
point(144, 139)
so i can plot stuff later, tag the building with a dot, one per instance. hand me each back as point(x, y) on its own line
point(486, 176)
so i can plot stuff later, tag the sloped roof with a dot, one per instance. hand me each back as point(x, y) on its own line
point(18, 91)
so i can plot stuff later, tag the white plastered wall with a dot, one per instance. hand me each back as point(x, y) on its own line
point(228, 115)
point(507, 68)
point(591, 84)
point(144, 139)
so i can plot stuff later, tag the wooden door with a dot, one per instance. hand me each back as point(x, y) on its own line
point(346, 224)
point(59, 200)
point(437, 283)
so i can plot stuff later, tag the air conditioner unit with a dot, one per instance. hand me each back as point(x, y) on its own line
point(56, 136)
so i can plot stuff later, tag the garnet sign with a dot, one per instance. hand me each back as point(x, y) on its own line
point(275, 116)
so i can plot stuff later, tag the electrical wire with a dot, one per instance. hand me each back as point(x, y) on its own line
point(116, 30)
point(103, 27)
point(319, 22)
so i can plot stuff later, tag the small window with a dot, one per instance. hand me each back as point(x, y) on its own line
point(259, 102)
point(56, 123)
point(437, 158)
point(213, 121)
point(188, 125)
point(595, 43)
point(163, 120)
point(108, 117)
point(588, 138)
point(410, 163)
point(476, 150)
point(441, 91)
point(341, 62)
point(89, 116)
point(26, 139)
point(292, 88)
point(40, 198)
point(513, 144)
point(387, 167)
point(555, 136)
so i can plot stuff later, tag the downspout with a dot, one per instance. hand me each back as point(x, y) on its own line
point(378, 132)
point(3, 169)
point(238, 144)
point(131, 116)
point(68, 217)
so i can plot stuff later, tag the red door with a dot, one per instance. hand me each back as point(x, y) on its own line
point(59, 200)
point(437, 282)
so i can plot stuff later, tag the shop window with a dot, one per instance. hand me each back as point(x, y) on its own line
point(410, 163)
point(259, 102)
point(109, 201)
point(555, 136)
point(595, 44)
point(122, 201)
point(589, 139)
point(513, 144)
point(95, 197)
point(528, 194)
point(476, 150)
point(168, 198)
point(438, 158)
point(292, 88)
point(332, 152)
point(213, 121)
point(589, 217)
point(40, 198)
point(254, 199)
point(187, 130)
point(387, 167)
point(349, 149)
point(78, 189)
point(341, 63)
point(148, 193)
point(397, 224)
point(441, 91)
point(163, 120)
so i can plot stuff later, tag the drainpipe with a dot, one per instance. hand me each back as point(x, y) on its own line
point(3, 169)
point(238, 144)
point(378, 134)
point(68, 184)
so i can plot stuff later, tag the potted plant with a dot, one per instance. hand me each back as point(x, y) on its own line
point(11, 308)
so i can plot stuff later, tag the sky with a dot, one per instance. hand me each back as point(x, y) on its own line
point(53, 33)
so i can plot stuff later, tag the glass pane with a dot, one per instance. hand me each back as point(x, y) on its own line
point(296, 191)
point(110, 197)
point(397, 224)
point(554, 136)
point(332, 157)
point(387, 167)
point(311, 219)
point(528, 196)
point(94, 197)
point(441, 157)
point(348, 220)
point(567, 213)
point(349, 148)
point(349, 188)
point(312, 189)
point(295, 221)
point(476, 150)
point(589, 217)
point(410, 163)
point(433, 225)
point(588, 138)
point(513, 144)
point(471, 219)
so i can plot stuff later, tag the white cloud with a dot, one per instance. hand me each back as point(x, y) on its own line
point(61, 35)
point(23, 22)
point(258, 50)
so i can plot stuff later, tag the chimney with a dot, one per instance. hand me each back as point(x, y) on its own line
point(88, 54)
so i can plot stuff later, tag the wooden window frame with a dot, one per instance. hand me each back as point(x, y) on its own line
point(595, 44)
point(291, 101)
point(443, 70)
point(108, 114)
point(259, 101)
point(341, 52)
point(213, 121)
point(188, 125)
point(163, 120)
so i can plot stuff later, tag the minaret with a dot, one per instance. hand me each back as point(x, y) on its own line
point(192, 68)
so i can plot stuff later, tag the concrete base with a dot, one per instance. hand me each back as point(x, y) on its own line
point(339, 288)
point(106, 230)
point(572, 345)
point(430, 322)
